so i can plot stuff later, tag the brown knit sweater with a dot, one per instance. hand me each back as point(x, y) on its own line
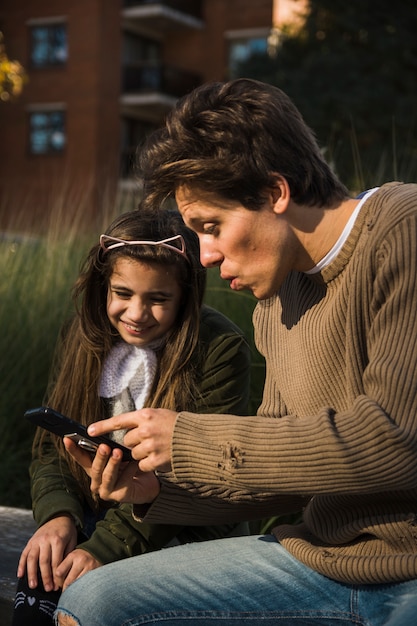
point(337, 428)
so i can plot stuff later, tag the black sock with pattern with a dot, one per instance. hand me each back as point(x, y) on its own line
point(34, 607)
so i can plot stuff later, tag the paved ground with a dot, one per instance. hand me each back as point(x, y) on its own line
point(16, 526)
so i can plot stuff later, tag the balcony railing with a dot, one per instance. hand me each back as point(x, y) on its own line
point(190, 7)
point(143, 78)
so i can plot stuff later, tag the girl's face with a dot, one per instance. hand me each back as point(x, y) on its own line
point(143, 300)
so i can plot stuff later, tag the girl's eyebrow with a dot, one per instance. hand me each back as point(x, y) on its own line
point(159, 292)
point(156, 292)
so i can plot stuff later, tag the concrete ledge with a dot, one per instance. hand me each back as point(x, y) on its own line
point(16, 526)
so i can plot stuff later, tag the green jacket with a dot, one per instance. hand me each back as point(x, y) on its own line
point(225, 382)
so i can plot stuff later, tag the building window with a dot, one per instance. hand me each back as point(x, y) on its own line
point(139, 48)
point(47, 134)
point(48, 45)
point(241, 50)
point(141, 63)
point(134, 131)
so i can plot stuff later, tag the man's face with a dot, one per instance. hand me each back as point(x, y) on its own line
point(253, 249)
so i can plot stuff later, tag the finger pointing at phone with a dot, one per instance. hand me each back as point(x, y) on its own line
point(149, 435)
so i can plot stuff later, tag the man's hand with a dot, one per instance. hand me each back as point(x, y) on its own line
point(47, 548)
point(149, 436)
point(77, 563)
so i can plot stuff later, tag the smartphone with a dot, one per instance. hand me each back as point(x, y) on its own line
point(63, 426)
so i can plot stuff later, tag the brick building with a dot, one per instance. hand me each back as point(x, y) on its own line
point(102, 74)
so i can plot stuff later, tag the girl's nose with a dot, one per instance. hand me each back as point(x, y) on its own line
point(138, 312)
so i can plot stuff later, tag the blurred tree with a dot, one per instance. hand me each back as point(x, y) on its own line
point(352, 72)
point(12, 75)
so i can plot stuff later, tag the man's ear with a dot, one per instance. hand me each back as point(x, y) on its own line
point(280, 194)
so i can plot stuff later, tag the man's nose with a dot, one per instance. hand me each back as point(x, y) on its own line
point(209, 256)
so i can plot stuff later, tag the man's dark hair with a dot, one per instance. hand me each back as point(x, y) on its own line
point(233, 139)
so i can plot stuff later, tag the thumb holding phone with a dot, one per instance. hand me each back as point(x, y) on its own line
point(112, 478)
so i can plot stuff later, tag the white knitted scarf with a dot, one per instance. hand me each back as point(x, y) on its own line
point(126, 380)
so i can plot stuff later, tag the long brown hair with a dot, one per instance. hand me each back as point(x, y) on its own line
point(88, 338)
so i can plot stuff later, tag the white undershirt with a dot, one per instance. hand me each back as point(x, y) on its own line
point(326, 260)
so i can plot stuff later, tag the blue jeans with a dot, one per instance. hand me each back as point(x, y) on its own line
point(245, 580)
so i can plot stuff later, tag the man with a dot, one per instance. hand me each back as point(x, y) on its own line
point(336, 433)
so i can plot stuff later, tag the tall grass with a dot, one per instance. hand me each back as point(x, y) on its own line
point(35, 299)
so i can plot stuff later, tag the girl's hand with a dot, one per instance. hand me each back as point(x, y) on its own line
point(114, 479)
point(46, 549)
point(77, 563)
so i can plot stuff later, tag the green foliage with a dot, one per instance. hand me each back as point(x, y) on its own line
point(238, 306)
point(351, 70)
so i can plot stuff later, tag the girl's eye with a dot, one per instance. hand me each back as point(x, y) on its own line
point(122, 294)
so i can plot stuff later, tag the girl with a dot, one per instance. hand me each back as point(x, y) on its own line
point(140, 337)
